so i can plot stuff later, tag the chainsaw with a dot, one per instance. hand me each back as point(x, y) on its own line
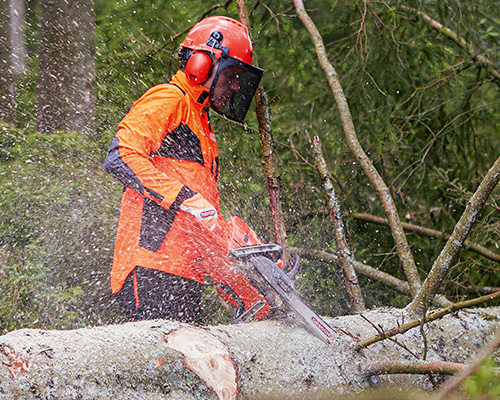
point(277, 285)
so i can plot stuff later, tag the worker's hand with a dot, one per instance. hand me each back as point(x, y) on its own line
point(202, 210)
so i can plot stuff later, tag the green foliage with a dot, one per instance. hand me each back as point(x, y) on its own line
point(57, 225)
point(426, 115)
point(31, 298)
point(484, 384)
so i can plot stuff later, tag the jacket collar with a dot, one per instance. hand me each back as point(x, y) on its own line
point(197, 93)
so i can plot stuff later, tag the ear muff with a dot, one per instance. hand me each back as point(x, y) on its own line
point(198, 67)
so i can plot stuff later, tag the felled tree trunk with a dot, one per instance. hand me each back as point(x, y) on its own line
point(169, 360)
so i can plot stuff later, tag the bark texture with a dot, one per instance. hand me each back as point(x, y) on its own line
point(168, 360)
point(17, 39)
point(7, 103)
point(66, 79)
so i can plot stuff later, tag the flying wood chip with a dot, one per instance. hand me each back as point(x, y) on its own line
point(208, 358)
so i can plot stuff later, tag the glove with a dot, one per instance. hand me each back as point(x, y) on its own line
point(202, 210)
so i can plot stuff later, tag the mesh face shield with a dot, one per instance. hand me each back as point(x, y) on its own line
point(233, 88)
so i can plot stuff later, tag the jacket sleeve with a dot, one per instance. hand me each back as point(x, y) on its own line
point(141, 132)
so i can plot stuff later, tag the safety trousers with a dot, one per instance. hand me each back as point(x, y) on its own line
point(151, 294)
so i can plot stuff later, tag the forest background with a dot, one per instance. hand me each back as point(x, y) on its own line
point(426, 112)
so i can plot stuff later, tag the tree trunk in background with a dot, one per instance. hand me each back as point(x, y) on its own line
point(17, 40)
point(66, 99)
point(7, 104)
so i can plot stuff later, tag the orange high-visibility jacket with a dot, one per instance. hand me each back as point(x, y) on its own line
point(164, 152)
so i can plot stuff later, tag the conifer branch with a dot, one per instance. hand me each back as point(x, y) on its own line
point(383, 191)
point(462, 228)
point(432, 233)
point(461, 42)
point(366, 270)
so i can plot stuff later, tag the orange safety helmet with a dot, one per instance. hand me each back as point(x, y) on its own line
point(227, 41)
point(234, 36)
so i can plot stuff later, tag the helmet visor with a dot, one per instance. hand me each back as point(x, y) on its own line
point(233, 88)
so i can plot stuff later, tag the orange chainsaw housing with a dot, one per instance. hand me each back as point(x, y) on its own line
point(233, 233)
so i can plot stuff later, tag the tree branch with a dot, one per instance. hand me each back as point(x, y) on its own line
point(268, 151)
point(343, 252)
point(430, 317)
point(370, 272)
point(421, 368)
point(377, 181)
point(427, 232)
point(452, 35)
point(454, 243)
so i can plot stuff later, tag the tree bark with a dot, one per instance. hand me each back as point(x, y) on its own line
point(169, 360)
point(454, 382)
point(383, 191)
point(66, 79)
point(431, 317)
point(18, 42)
point(268, 151)
point(7, 103)
point(455, 242)
point(344, 254)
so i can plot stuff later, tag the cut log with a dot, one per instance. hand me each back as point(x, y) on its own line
point(169, 360)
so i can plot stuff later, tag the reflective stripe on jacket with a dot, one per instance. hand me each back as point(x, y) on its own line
point(164, 152)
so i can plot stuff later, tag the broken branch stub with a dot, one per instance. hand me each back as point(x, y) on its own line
point(343, 252)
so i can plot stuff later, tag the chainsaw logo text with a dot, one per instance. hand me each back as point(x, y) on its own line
point(208, 213)
point(321, 327)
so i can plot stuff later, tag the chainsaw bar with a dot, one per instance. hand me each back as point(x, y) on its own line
point(283, 285)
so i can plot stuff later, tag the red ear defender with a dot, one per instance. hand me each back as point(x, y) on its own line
point(198, 67)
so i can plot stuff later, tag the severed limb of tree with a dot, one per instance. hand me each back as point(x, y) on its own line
point(454, 243)
point(453, 383)
point(482, 289)
point(383, 191)
point(430, 317)
point(344, 254)
point(421, 368)
point(427, 232)
point(450, 34)
point(368, 271)
point(268, 151)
